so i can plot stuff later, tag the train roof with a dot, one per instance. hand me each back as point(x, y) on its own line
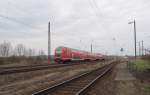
point(71, 48)
point(80, 50)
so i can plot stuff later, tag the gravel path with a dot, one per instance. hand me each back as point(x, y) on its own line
point(125, 82)
point(118, 82)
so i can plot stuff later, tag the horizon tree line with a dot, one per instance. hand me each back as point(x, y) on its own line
point(6, 50)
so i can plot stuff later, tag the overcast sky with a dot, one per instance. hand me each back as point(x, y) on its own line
point(76, 23)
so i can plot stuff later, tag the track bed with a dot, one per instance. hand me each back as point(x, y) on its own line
point(76, 85)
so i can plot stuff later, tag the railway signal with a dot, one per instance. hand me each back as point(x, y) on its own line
point(122, 51)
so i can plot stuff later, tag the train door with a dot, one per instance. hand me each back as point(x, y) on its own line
point(67, 54)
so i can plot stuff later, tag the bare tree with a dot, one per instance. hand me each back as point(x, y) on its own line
point(30, 52)
point(20, 50)
point(41, 52)
point(5, 49)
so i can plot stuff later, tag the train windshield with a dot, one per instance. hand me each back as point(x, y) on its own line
point(58, 51)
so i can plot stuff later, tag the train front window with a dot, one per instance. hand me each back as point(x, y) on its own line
point(58, 51)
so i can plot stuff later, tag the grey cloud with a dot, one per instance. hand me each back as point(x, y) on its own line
point(75, 23)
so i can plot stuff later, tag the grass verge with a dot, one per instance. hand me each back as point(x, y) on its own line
point(140, 65)
point(147, 89)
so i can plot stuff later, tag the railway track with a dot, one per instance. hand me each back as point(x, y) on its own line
point(6, 71)
point(28, 68)
point(13, 67)
point(77, 85)
point(20, 69)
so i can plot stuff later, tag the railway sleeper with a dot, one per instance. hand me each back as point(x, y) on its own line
point(73, 87)
point(64, 93)
point(80, 82)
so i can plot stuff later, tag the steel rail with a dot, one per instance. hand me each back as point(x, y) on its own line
point(20, 69)
point(31, 68)
point(80, 90)
point(29, 65)
point(32, 65)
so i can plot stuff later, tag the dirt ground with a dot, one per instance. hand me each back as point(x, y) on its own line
point(125, 81)
point(104, 86)
point(21, 64)
point(143, 81)
point(118, 82)
point(27, 83)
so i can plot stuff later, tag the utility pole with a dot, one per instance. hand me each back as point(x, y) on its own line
point(139, 49)
point(91, 48)
point(49, 43)
point(134, 36)
point(142, 48)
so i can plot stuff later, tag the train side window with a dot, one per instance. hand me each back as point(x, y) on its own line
point(67, 52)
point(72, 54)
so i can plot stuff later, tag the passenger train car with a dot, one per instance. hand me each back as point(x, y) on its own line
point(63, 54)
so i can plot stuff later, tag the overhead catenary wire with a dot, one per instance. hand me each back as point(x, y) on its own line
point(93, 7)
point(96, 9)
point(20, 9)
point(15, 20)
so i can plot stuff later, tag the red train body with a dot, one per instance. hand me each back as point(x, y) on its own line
point(63, 54)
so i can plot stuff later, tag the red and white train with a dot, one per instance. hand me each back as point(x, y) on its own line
point(63, 54)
